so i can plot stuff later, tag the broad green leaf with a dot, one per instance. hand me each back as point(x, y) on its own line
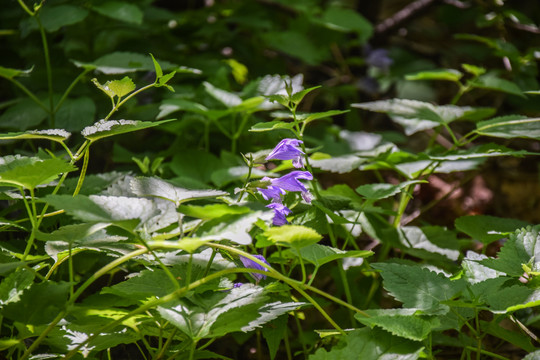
point(52, 297)
point(511, 126)
point(339, 164)
point(383, 191)
point(123, 211)
point(442, 74)
point(295, 236)
point(106, 128)
point(492, 82)
point(227, 98)
point(319, 255)
point(416, 168)
point(75, 114)
point(13, 286)
point(188, 165)
point(58, 135)
point(244, 308)
point(156, 187)
point(521, 248)
point(416, 115)
point(487, 229)
point(512, 337)
point(73, 232)
point(120, 10)
point(122, 87)
point(480, 152)
point(417, 287)
point(23, 115)
point(31, 172)
point(235, 228)
point(347, 20)
point(280, 99)
point(321, 115)
point(512, 298)
point(372, 344)
point(212, 211)
point(55, 17)
point(169, 106)
point(122, 62)
point(432, 239)
point(271, 125)
point(9, 73)
point(274, 333)
point(404, 323)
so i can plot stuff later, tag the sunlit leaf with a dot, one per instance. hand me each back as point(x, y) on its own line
point(106, 128)
point(511, 126)
point(319, 255)
point(443, 74)
point(31, 172)
point(295, 236)
point(58, 135)
point(382, 191)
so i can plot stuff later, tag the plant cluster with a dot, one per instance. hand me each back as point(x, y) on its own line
point(239, 217)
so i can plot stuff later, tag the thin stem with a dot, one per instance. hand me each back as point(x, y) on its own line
point(30, 95)
point(49, 70)
point(34, 221)
point(25, 8)
point(69, 89)
point(83, 171)
point(485, 352)
point(120, 103)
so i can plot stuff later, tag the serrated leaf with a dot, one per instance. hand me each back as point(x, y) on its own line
point(319, 255)
point(487, 229)
point(417, 287)
point(441, 74)
point(511, 126)
point(122, 87)
point(58, 135)
point(31, 172)
point(476, 272)
point(372, 344)
point(71, 233)
point(240, 309)
point(522, 247)
point(212, 211)
point(271, 125)
point(401, 322)
point(299, 96)
point(280, 99)
point(162, 189)
point(433, 239)
point(106, 128)
point(295, 236)
point(119, 10)
point(383, 191)
point(235, 228)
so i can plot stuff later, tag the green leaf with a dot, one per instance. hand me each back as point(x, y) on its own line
point(212, 211)
point(383, 191)
point(55, 17)
point(474, 271)
point(119, 10)
point(106, 128)
point(235, 228)
point(474, 70)
point(271, 125)
point(13, 286)
point(441, 74)
point(23, 115)
point(52, 298)
point(295, 236)
point(319, 255)
point(416, 115)
point(157, 67)
point(434, 240)
point(72, 233)
point(417, 287)
point(404, 323)
point(7, 343)
point(244, 308)
point(480, 152)
point(122, 87)
point(273, 333)
point(122, 62)
point(156, 187)
point(299, 96)
point(58, 135)
point(487, 229)
point(339, 164)
point(347, 20)
point(227, 98)
point(372, 344)
point(522, 247)
point(321, 115)
point(492, 82)
point(189, 165)
point(75, 114)
point(31, 172)
point(511, 126)
point(512, 337)
point(9, 73)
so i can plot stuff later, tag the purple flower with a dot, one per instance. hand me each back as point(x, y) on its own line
point(271, 192)
point(280, 213)
point(291, 182)
point(250, 264)
point(288, 149)
point(378, 58)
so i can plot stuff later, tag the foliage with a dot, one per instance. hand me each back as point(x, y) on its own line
point(335, 181)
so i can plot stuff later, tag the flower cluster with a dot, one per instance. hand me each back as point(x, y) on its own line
point(287, 149)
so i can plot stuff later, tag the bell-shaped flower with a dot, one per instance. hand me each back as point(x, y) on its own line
point(280, 213)
point(250, 264)
point(271, 192)
point(291, 182)
point(288, 149)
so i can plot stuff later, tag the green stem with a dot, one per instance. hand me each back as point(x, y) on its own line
point(25, 8)
point(83, 171)
point(485, 352)
point(35, 223)
point(30, 95)
point(120, 103)
point(69, 89)
point(49, 70)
